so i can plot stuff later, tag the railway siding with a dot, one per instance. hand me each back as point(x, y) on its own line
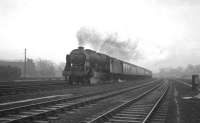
point(138, 109)
point(185, 103)
point(85, 114)
point(50, 109)
point(60, 89)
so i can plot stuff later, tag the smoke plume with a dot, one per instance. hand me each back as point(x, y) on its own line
point(109, 44)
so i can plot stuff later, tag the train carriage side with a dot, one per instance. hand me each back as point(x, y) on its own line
point(144, 73)
point(140, 72)
point(149, 73)
point(132, 71)
point(116, 68)
point(129, 71)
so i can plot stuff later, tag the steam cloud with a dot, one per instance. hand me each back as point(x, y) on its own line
point(110, 44)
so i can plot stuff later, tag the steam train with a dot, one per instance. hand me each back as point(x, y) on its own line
point(87, 66)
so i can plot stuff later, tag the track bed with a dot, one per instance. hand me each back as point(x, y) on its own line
point(65, 89)
point(48, 108)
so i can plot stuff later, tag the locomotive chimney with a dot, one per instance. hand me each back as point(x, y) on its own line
point(81, 48)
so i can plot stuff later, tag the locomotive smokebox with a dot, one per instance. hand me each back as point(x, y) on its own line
point(81, 48)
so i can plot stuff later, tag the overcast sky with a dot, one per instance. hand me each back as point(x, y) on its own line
point(167, 31)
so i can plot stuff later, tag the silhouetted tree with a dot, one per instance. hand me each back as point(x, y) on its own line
point(180, 72)
point(45, 68)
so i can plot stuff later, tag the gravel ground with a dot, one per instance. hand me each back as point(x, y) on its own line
point(74, 91)
point(172, 112)
point(183, 108)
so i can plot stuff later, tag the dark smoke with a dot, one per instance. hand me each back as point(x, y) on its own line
point(110, 44)
point(87, 36)
point(124, 50)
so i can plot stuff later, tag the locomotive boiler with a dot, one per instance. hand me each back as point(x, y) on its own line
point(88, 66)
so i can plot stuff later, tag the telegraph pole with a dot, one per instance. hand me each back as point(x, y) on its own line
point(25, 63)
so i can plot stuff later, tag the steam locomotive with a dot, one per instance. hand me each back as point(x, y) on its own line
point(87, 66)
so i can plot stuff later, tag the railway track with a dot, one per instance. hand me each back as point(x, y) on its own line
point(33, 112)
point(58, 88)
point(12, 88)
point(25, 87)
point(137, 110)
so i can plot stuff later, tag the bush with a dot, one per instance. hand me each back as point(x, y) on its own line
point(9, 73)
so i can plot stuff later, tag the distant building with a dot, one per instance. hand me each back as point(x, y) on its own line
point(30, 66)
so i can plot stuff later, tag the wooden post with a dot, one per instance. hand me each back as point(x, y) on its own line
point(195, 81)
